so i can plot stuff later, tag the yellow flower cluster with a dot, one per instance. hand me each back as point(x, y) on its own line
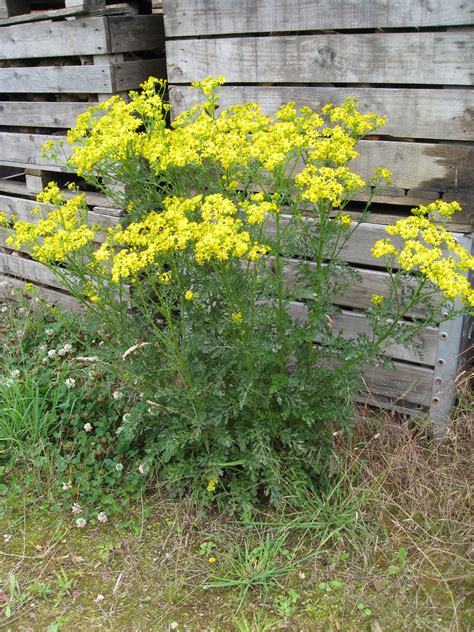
point(432, 250)
point(237, 137)
point(327, 183)
point(208, 225)
point(62, 232)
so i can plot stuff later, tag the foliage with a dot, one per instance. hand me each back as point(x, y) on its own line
point(245, 376)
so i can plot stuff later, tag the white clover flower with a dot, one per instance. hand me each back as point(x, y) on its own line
point(119, 467)
point(88, 427)
point(7, 537)
point(70, 382)
point(76, 509)
point(81, 522)
point(142, 468)
point(49, 332)
point(99, 598)
point(117, 395)
point(67, 486)
point(67, 347)
point(52, 353)
point(62, 352)
point(102, 517)
point(14, 374)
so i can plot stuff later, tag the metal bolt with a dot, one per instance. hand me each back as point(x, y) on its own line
point(438, 380)
point(435, 400)
point(441, 362)
point(444, 313)
point(443, 335)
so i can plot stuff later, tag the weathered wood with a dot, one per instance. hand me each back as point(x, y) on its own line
point(41, 114)
point(394, 58)
point(135, 33)
point(351, 324)
point(8, 285)
point(29, 269)
point(22, 209)
point(92, 197)
point(130, 74)
point(411, 112)
point(83, 36)
point(9, 8)
point(219, 17)
point(57, 79)
point(402, 382)
point(430, 166)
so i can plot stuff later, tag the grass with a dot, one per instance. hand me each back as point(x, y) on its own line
point(386, 548)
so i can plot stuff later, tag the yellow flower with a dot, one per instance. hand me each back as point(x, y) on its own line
point(236, 317)
point(344, 220)
point(212, 560)
point(378, 299)
point(165, 277)
point(189, 295)
point(212, 484)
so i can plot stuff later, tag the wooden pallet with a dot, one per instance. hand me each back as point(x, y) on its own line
point(403, 59)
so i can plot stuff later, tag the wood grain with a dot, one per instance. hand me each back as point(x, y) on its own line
point(394, 58)
point(249, 16)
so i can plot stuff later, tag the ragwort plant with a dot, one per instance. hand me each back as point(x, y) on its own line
point(229, 255)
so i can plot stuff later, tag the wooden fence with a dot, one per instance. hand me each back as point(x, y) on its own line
point(51, 71)
point(411, 61)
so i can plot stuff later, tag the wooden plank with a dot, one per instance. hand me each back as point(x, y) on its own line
point(411, 113)
point(243, 16)
point(8, 285)
point(394, 58)
point(41, 114)
point(429, 166)
point(354, 323)
point(135, 33)
point(34, 271)
point(21, 208)
point(92, 197)
point(57, 79)
point(9, 8)
point(129, 74)
point(82, 36)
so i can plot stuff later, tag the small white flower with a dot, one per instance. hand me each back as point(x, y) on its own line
point(101, 343)
point(142, 468)
point(4, 309)
point(7, 537)
point(21, 310)
point(81, 522)
point(117, 394)
point(67, 347)
point(87, 427)
point(14, 374)
point(301, 575)
point(99, 598)
point(52, 353)
point(76, 509)
point(62, 352)
point(67, 486)
point(70, 382)
point(119, 467)
point(49, 332)
point(102, 517)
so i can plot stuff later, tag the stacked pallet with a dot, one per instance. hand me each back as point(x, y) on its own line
point(405, 60)
point(50, 72)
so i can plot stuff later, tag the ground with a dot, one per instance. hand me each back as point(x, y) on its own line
point(386, 549)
